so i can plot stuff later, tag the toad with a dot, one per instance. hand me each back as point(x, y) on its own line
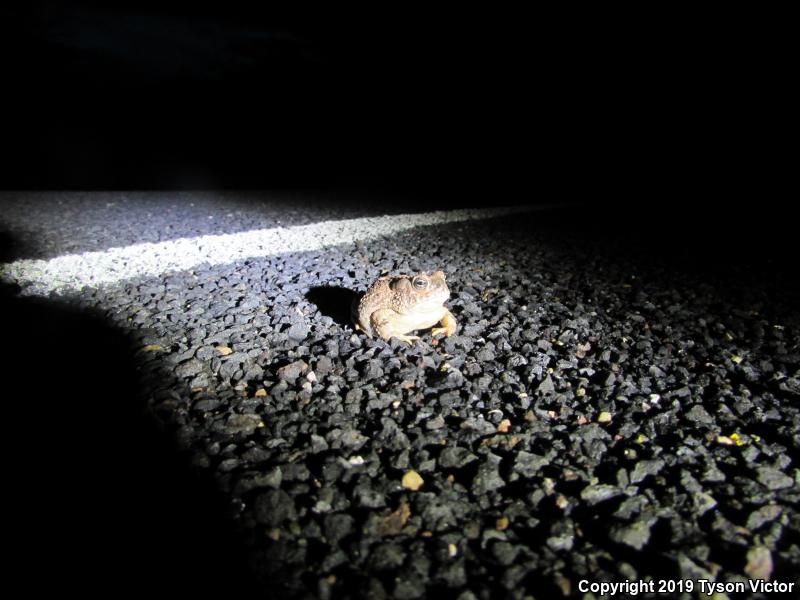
point(394, 306)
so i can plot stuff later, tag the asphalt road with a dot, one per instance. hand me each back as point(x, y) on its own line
point(619, 403)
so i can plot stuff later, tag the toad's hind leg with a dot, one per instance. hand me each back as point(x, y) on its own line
point(383, 323)
point(449, 325)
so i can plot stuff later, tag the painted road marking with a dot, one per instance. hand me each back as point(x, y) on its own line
point(73, 272)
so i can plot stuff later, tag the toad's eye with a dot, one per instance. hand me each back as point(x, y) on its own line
point(420, 283)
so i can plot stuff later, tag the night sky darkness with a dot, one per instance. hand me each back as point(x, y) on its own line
point(613, 108)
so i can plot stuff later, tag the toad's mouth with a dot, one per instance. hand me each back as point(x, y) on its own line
point(433, 302)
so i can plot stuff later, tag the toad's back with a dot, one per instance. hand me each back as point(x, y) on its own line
point(379, 295)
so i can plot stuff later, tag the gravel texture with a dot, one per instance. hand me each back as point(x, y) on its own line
point(608, 410)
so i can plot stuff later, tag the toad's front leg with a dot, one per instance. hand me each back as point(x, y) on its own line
point(449, 325)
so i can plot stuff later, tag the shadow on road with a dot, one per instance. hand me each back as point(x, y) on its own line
point(334, 302)
point(97, 498)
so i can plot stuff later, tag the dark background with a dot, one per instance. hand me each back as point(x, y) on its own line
point(612, 107)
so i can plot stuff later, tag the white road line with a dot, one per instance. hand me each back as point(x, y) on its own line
point(73, 272)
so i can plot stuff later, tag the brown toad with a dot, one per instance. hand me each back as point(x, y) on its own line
point(396, 305)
